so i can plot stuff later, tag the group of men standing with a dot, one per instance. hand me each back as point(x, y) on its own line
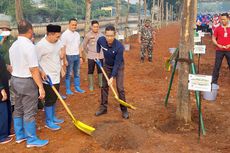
point(31, 65)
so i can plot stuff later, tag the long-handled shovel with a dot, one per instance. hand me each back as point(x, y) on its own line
point(81, 126)
point(111, 86)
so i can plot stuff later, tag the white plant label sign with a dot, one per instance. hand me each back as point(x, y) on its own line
point(199, 82)
point(199, 49)
point(197, 39)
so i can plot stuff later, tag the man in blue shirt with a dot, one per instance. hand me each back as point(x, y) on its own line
point(114, 67)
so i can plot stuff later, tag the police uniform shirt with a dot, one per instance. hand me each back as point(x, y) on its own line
point(23, 57)
point(90, 45)
point(49, 58)
point(72, 42)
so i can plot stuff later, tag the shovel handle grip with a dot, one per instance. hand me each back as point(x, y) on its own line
point(49, 81)
point(107, 78)
point(98, 62)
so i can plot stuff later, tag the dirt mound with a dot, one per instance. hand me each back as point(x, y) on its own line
point(118, 135)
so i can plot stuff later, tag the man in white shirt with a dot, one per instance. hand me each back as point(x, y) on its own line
point(25, 82)
point(50, 52)
point(71, 42)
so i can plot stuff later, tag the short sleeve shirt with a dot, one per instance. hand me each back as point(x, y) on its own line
point(49, 58)
point(71, 40)
point(23, 57)
point(223, 37)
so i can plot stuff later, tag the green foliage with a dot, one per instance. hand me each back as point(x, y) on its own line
point(97, 14)
point(61, 10)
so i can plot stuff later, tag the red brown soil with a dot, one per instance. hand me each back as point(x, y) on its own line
point(152, 128)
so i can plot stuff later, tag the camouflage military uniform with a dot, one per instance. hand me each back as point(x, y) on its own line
point(4, 48)
point(146, 42)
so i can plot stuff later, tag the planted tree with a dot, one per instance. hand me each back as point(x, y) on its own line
point(126, 21)
point(118, 5)
point(18, 10)
point(183, 111)
point(87, 15)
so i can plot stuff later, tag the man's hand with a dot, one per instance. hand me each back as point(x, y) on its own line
point(43, 75)
point(81, 60)
point(4, 95)
point(220, 46)
point(227, 46)
point(110, 82)
point(66, 63)
point(41, 93)
point(9, 68)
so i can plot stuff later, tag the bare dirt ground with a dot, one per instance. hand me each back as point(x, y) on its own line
point(152, 128)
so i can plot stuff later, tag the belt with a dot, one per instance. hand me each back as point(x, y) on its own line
point(22, 77)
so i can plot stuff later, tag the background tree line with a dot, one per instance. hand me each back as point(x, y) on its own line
point(61, 10)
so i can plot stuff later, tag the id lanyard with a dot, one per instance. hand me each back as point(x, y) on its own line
point(225, 31)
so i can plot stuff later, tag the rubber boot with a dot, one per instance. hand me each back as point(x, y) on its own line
point(68, 90)
point(100, 83)
point(142, 59)
point(77, 85)
point(31, 137)
point(55, 119)
point(90, 77)
point(49, 119)
point(18, 129)
point(150, 59)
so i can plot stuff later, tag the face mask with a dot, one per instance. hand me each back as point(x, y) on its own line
point(5, 33)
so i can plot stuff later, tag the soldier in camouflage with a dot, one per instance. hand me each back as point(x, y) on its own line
point(6, 42)
point(146, 39)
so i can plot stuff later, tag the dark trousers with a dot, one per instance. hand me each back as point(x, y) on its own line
point(119, 84)
point(218, 61)
point(51, 97)
point(5, 117)
point(91, 66)
point(4, 120)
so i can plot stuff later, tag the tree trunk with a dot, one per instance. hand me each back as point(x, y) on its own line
point(127, 21)
point(139, 13)
point(87, 15)
point(183, 111)
point(179, 14)
point(18, 11)
point(167, 12)
point(152, 11)
point(172, 13)
point(195, 10)
point(159, 10)
point(162, 10)
point(118, 4)
point(145, 8)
